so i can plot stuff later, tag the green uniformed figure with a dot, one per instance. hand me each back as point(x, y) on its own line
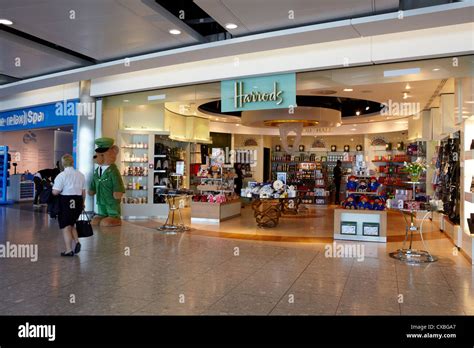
point(107, 184)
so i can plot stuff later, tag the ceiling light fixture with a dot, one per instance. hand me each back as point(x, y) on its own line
point(407, 86)
point(237, 124)
point(348, 89)
point(231, 26)
point(5, 21)
point(175, 31)
point(357, 112)
point(405, 95)
point(353, 129)
point(436, 69)
point(367, 108)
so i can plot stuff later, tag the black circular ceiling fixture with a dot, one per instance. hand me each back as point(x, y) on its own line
point(347, 106)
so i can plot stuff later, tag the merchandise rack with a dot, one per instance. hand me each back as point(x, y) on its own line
point(3, 174)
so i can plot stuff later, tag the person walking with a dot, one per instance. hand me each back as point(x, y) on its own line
point(41, 178)
point(337, 173)
point(70, 186)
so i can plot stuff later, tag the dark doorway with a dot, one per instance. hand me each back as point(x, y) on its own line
point(266, 164)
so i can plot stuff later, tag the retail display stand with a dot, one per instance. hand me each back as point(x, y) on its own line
point(410, 254)
point(147, 163)
point(360, 225)
point(215, 211)
point(4, 175)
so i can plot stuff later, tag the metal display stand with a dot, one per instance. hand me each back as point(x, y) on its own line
point(170, 227)
point(409, 254)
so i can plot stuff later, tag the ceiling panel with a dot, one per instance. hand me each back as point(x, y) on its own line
point(20, 58)
point(103, 30)
point(257, 16)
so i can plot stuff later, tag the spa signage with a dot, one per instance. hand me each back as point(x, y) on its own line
point(42, 116)
point(259, 93)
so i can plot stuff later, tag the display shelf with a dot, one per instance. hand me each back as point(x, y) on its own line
point(469, 197)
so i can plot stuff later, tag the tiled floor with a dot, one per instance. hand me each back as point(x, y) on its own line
point(193, 274)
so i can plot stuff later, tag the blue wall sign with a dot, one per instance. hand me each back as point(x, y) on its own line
point(43, 116)
point(63, 113)
point(259, 93)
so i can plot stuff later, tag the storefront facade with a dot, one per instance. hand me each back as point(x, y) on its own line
point(395, 113)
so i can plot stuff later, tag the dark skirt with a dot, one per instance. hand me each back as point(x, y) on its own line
point(70, 208)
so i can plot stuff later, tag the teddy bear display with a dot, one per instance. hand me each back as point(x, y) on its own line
point(107, 184)
point(363, 203)
point(350, 202)
point(362, 186)
point(374, 184)
point(351, 184)
point(379, 204)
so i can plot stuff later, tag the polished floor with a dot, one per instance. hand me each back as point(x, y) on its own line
point(135, 270)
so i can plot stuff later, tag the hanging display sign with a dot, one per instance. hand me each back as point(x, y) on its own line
point(259, 93)
point(43, 116)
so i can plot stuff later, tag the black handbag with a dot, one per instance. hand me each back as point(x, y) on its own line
point(84, 227)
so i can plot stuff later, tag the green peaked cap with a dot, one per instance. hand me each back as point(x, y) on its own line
point(103, 144)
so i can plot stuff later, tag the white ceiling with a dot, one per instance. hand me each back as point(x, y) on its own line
point(21, 58)
point(254, 16)
point(101, 29)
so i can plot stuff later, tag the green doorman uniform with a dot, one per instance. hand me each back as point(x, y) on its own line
point(106, 184)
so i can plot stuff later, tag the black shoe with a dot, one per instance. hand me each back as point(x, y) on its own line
point(71, 253)
point(77, 249)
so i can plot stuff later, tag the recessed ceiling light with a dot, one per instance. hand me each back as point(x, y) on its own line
point(126, 100)
point(353, 129)
point(367, 108)
point(436, 69)
point(348, 89)
point(237, 124)
point(175, 31)
point(5, 21)
point(231, 26)
point(407, 86)
point(357, 112)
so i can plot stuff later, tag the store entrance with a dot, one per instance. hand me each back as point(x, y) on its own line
point(31, 151)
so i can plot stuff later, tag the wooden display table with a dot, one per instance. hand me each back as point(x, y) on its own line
point(362, 225)
point(267, 211)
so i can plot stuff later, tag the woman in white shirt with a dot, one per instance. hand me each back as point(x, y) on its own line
point(70, 186)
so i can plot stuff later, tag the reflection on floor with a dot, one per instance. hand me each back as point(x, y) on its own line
point(194, 274)
point(313, 225)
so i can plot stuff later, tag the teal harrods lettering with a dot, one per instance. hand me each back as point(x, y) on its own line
point(240, 98)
